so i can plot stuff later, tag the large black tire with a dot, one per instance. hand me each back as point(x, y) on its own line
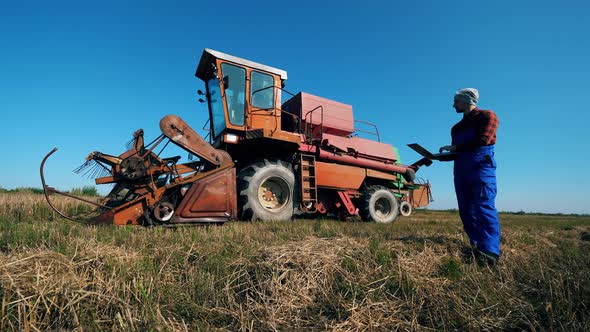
point(265, 191)
point(379, 204)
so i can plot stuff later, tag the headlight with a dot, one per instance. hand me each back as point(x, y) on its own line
point(230, 138)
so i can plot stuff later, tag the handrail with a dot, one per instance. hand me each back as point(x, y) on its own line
point(310, 123)
point(376, 133)
point(282, 89)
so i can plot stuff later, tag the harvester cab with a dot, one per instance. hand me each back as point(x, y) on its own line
point(244, 100)
point(265, 160)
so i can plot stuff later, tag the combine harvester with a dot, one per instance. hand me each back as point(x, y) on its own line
point(264, 161)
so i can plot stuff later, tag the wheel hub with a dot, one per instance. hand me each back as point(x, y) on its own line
point(273, 193)
point(163, 211)
point(382, 207)
point(268, 195)
point(133, 168)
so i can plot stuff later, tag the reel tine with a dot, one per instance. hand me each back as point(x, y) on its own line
point(92, 169)
point(84, 166)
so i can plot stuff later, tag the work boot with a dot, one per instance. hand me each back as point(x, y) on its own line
point(485, 257)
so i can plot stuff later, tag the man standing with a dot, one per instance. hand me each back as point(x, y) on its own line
point(473, 140)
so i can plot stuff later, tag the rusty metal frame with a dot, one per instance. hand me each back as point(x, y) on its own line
point(47, 191)
point(147, 191)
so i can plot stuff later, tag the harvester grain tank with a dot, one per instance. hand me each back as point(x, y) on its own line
point(264, 160)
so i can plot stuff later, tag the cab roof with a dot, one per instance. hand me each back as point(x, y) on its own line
point(204, 69)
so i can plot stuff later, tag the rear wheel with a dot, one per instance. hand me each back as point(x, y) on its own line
point(265, 191)
point(378, 204)
point(405, 209)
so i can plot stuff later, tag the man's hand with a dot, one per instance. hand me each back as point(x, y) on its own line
point(450, 148)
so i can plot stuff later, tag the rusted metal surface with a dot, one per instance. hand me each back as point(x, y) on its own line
point(213, 197)
point(420, 197)
point(129, 215)
point(150, 190)
point(182, 134)
point(47, 191)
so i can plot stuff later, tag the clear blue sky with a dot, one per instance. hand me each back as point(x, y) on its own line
point(83, 77)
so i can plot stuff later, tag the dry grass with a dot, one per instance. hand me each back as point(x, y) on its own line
point(25, 204)
point(416, 274)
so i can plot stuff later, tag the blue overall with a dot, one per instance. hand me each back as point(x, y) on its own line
point(475, 185)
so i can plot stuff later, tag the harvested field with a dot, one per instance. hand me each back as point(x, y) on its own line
point(415, 274)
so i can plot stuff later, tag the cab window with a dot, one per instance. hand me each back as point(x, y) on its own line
point(261, 90)
point(216, 107)
point(234, 81)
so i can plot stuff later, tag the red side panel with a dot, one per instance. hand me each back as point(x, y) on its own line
point(337, 117)
point(213, 197)
point(361, 146)
point(339, 176)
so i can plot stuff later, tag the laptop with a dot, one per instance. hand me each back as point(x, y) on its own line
point(445, 156)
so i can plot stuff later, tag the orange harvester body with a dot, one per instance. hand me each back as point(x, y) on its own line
point(268, 157)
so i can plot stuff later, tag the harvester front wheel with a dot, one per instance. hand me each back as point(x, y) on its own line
point(379, 205)
point(265, 191)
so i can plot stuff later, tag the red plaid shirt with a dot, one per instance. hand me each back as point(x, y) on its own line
point(485, 123)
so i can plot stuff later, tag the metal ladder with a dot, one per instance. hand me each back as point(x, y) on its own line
point(309, 192)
